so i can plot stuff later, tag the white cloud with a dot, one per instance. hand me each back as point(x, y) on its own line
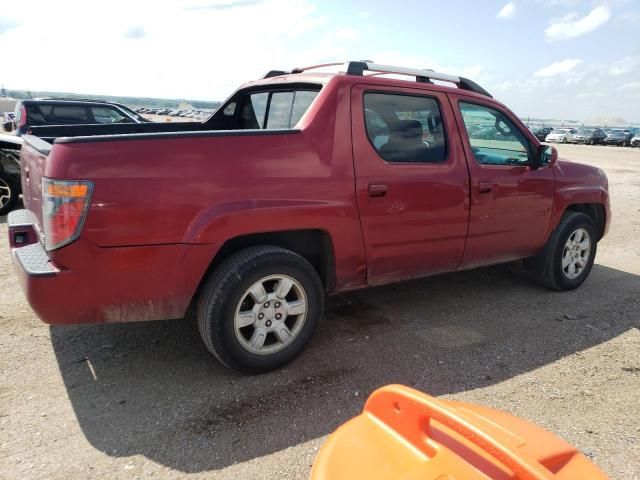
point(587, 90)
point(508, 11)
point(571, 27)
point(558, 68)
point(630, 86)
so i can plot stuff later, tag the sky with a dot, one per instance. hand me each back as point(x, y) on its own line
point(564, 59)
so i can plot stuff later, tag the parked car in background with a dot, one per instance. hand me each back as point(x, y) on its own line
point(40, 112)
point(561, 135)
point(10, 189)
point(589, 136)
point(635, 141)
point(618, 137)
point(7, 121)
point(542, 132)
point(290, 192)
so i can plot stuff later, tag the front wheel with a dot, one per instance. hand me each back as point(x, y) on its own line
point(569, 254)
point(259, 308)
point(564, 140)
point(9, 192)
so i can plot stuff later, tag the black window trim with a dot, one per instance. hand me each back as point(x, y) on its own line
point(447, 157)
point(531, 154)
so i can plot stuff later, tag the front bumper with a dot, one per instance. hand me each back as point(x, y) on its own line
point(85, 283)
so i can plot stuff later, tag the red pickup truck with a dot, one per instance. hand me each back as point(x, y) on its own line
point(302, 184)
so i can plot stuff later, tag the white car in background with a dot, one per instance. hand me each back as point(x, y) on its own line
point(561, 135)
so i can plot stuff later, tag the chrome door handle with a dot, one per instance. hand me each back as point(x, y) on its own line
point(377, 189)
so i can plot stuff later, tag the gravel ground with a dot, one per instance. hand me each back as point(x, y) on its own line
point(146, 400)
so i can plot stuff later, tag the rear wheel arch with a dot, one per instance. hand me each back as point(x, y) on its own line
point(314, 245)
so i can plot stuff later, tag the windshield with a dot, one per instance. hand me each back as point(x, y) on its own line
point(585, 132)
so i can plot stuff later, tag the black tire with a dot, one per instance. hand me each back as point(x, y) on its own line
point(8, 182)
point(224, 290)
point(564, 140)
point(551, 273)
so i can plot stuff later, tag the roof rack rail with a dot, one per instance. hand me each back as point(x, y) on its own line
point(424, 76)
point(361, 66)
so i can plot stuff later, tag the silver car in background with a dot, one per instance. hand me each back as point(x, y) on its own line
point(560, 135)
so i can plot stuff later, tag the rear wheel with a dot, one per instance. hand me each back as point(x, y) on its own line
point(259, 308)
point(9, 192)
point(570, 252)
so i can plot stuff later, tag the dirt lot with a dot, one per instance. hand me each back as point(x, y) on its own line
point(147, 400)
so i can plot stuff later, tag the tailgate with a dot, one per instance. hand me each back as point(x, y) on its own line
point(33, 156)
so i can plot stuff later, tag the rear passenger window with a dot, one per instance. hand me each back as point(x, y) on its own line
point(69, 114)
point(494, 139)
point(405, 128)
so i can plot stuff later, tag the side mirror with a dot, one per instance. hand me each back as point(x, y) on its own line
point(547, 156)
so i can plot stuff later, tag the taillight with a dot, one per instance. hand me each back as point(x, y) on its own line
point(23, 116)
point(64, 207)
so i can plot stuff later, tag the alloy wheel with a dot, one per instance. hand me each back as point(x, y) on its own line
point(270, 314)
point(576, 252)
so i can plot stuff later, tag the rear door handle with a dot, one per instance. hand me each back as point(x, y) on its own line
point(377, 189)
point(485, 186)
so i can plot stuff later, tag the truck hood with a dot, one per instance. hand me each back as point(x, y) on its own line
point(580, 175)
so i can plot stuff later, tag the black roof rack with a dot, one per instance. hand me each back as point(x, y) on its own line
point(421, 75)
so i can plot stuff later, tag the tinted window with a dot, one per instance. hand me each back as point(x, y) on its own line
point(494, 139)
point(69, 114)
point(405, 128)
point(108, 115)
point(56, 114)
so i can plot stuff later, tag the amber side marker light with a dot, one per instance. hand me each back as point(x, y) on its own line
point(74, 190)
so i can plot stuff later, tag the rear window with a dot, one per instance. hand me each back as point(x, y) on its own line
point(273, 110)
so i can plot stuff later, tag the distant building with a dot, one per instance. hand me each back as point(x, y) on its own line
point(3, 92)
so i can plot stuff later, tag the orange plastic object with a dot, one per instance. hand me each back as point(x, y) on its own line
point(405, 434)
